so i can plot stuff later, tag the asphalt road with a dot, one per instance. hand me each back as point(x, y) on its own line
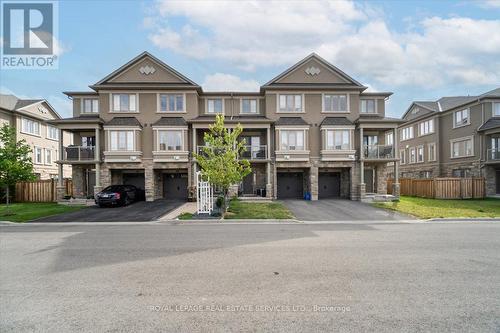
point(149, 277)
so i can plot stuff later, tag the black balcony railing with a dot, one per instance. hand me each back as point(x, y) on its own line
point(378, 152)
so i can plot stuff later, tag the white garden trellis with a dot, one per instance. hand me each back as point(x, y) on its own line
point(205, 195)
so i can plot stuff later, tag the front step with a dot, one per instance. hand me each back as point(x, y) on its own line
point(379, 198)
point(77, 202)
point(254, 199)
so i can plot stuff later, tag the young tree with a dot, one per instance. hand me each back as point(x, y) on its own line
point(15, 161)
point(220, 160)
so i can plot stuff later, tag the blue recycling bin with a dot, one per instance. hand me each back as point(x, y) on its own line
point(307, 196)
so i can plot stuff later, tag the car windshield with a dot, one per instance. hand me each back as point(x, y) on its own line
point(113, 188)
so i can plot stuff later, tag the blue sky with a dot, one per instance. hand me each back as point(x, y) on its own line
point(417, 49)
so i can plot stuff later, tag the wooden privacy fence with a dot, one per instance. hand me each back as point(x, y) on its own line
point(41, 190)
point(441, 188)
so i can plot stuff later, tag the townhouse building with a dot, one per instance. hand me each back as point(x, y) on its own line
point(30, 118)
point(455, 136)
point(310, 129)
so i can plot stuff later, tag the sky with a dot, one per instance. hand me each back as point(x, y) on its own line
point(419, 50)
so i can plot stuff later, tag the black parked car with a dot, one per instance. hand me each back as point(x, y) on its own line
point(120, 195)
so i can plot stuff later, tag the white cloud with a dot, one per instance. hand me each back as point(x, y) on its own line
point(249, 35)
point(489, 4)
point(228, 82)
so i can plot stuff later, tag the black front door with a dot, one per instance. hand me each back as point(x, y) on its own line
point(248, 184)
point(290, 185)
point(175, 186)
point(498, 181)
point(329, 185)
point(369, 176)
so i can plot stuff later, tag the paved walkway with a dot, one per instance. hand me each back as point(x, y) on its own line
point(187, 207)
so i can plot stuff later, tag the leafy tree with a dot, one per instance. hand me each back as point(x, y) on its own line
point(15, 161)
point(220, 158)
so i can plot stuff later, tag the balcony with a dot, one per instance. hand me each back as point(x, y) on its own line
point(79, 154)
point(378, 152)
point(493, 155)
point(251, 152)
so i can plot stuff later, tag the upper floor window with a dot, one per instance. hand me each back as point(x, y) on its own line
point(338, 139)
point(335, 103)
point(420, 153)
point(426, 127)
point(48, 156)
point(290, 103)
point(90, 105)
point(461, 118)
point(30, 126)
point(292, 140)
point(368, 106)
point(172, 103)
point(170, 140)
point(248, 105)
point(402, 156)
point(124, 103)
point(52, 132)
point(462, 147)
point(122, 140)
point(411, 156)
point(432, 152)
point(407, 133)
point(389, 138)
point(496, 109)
point(215, 105)
point(38, 155)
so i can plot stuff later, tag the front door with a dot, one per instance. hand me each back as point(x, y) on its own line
point(498, 181)
point(369, 180)
point(248, 183)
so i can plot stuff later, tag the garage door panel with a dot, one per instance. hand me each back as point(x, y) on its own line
point(175, 186)
point(136, 179)
point(290, 185)
point(329, 185)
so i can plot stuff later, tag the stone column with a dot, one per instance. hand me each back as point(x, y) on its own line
point(269, 186)
point(60, 188)
point(149, 182)
point(396, 189)
point(313, 181)
point(97, 158)
point(362, 185)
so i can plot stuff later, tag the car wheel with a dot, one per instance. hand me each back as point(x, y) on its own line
point(126, 201)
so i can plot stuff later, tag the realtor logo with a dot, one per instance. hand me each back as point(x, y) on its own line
point(28, 34)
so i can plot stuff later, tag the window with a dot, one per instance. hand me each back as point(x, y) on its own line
point(290, 103)
point(412, 156)
point(426, 127)
point(170, 140)
point(171, 103)
point(402, 156)
point(407, 133)
point(38, 155)
point(30, 126)
point(432, 152)
point(292, 140)
point(124, 103)
point(461, 118)
point(368, 106)
point(214, 105)
point(420, 154)
point(48, 156)
point(88, 141)
point(425, 174)
point(389, 138)
point(338, 140)
point(496, 109)
point(335, 103)
point(52, 132)
point(462, 173)
point(462, 147)
point(122, 140)
point(90, 105)
point(248, 105)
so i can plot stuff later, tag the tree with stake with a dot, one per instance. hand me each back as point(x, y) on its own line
point(220, 159)
point(15, 161)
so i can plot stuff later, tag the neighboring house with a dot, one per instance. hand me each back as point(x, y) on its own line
point(30, 119)
point(310, 129)
point(453, 137)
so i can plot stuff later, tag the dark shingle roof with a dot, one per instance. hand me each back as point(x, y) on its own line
point(25, 102)
point(336, 121)
point(79, 119)
point(490, 123)
point(232, 120)
point(123, 121)
point(428, 105)
point(290, 121)
point(492, 93)
point(454, 101)
point(170, 121)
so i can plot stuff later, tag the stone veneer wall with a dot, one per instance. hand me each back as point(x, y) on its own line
point(473, 166)
point(78, 177)
point(413, 170)
point(491, 181)
point(382, 171)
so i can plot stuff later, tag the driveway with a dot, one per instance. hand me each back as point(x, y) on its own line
point(136, 212)
point(340, 210)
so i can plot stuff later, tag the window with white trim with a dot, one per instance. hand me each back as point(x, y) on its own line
point(462, 147)
point(30, 126)
point(407, 133)
point(90, 105)
point(426, 127)
point(412, 155)
point(170, 140)
point(496, 109)
point(432, 152)
point(214, 105)
point(420, 154)
point(48, 156)
point(290, 103)
point(368, 106)
point(52, 132)
point(335, 103)
point(249, 105)
point(337, 139)
point(124, 103)
point(461, 118)
point(122, 140)
point(171, 103)
point(402, 156)
point(389, 138)
point(38, 155)
point(292, 140)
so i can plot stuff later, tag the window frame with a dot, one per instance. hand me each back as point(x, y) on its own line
point(422, 125)
point(458, 140)
point(431, 157)
point(38, 123)
point(387, 135)
point(207, 104)
point(455, 125)
point(419, 149)
point(92, 100)
point(295, 95)
point(57, 131)
point(257, 111)
point(169, 130)
point(49, 151)
point(410, 155)
point(495, 106)
point(342, 137)
point(402, 156)
point(37, 149)
point(324, 104)
point(168, 94)
point(288, 130)
point(403, 130)
point(133, 143)
point(375, 107)
point(112, 102)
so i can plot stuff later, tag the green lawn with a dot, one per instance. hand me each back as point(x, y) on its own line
point(257, 210)
point(23, 212)
point(185, 216)
point(436, 208)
